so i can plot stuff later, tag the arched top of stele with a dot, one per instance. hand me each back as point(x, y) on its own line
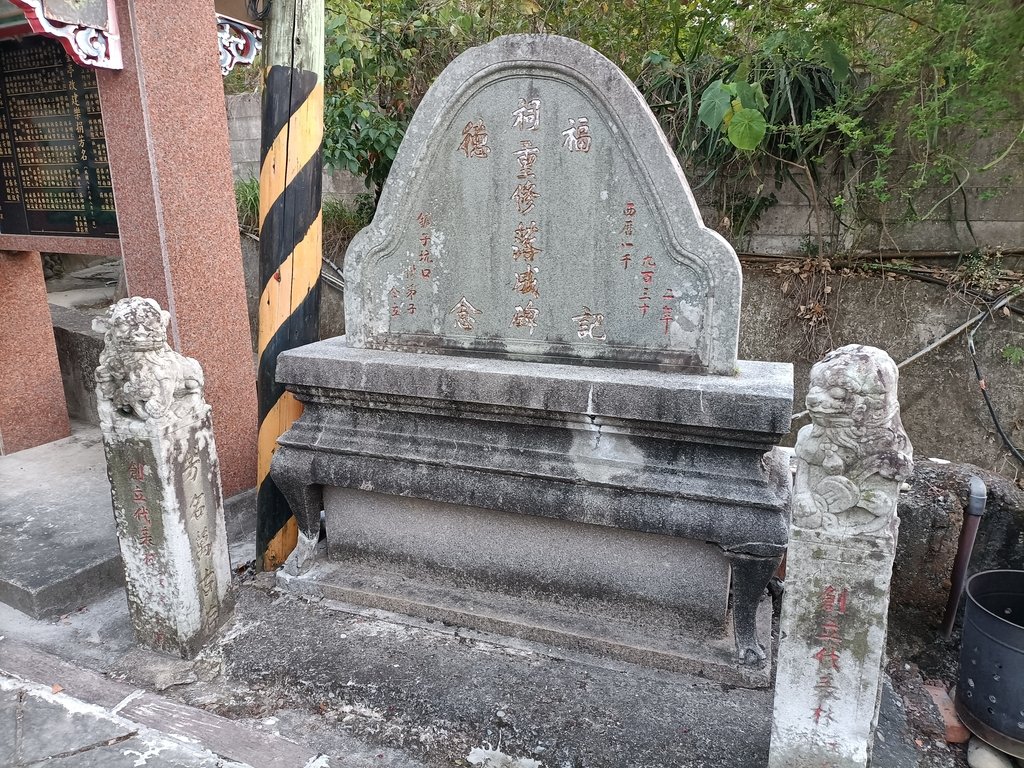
point(535, 211)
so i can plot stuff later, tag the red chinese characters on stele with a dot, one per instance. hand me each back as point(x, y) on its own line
point(833, 606)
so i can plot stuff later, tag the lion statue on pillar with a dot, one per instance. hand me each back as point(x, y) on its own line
point(139, 375)
point(854, 455)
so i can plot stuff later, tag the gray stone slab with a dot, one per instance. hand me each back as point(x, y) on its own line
point(188, 735)
point(55, 513)
point(535, 210)
point(78, 349)
point(758, 399)
point(45, 728)
point(136, 751)
point(9, 701)
point(609, 474)
point(522, 554)
point(240, 521)
point(637, 632)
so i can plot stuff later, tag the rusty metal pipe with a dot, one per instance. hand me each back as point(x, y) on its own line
point(964, 548)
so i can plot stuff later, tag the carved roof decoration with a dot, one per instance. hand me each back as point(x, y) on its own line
point(88, 30)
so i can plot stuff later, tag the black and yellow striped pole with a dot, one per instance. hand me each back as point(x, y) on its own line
point(290, 239)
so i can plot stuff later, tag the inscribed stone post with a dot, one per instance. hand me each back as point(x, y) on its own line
point(850, 462)
point(164, 480)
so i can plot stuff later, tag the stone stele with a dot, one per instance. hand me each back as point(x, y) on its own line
point(850, 463)
point(164, 480)
point(537, 423)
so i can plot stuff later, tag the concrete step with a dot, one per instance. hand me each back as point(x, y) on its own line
point(57, 526)
point(57, 536)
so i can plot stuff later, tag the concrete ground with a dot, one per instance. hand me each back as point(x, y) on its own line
point(55, 513)
point(369, 689)
point(291, 678)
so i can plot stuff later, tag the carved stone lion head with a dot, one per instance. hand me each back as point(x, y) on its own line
point(853, 386)
point(135, 325)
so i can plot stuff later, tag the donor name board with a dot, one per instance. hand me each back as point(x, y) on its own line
point(54, 177)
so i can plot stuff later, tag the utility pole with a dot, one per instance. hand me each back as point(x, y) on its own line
point(291, 239)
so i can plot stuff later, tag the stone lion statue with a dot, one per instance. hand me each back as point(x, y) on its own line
point(854, 455)
point(139, 375)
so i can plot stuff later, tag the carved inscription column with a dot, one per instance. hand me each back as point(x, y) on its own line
point(164, 480)
point(851, 460)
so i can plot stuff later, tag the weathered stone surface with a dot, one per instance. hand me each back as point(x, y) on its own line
point(78, 350)
point(47, 725)
point(536, 211)
point(527, 554)
point(625, 451)
point(710, 481)
point(757, 401)
point(55, 514)
point(850, 463)
point(537, 239)
point(854, 454)
point(164, 480)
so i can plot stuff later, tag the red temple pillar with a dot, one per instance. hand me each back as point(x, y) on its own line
point(32, 407)
point(167, 141)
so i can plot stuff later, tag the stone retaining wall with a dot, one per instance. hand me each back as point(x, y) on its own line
point(942, 406)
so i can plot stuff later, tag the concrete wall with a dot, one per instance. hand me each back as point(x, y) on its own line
point(78, 349)
point(987, 212)
point(244, 132)
point(942, 406)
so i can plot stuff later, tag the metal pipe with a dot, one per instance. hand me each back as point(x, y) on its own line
point(964, 548)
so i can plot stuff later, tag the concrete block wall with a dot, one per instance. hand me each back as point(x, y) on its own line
point(987, 211)
point(244, 134)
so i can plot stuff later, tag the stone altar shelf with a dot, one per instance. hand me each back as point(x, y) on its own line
point(602, 512)
point(537, 424)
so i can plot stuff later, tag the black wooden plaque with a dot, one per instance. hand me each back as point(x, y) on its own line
point(54, 177)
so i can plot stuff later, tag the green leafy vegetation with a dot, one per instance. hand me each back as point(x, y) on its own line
point(1013, 355)
point(341, 221)
point(871, 108)
point(247, 200)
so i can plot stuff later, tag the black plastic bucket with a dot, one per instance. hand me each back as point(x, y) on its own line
point(990, 694)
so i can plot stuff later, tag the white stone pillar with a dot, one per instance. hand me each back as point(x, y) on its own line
point(850, 462)
point(164, 480)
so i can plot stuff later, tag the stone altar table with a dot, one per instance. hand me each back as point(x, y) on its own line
point(537, 423)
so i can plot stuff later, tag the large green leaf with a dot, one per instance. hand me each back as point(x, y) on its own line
point(746, 129)
point(746, 95)
point(835, 60)
point(715, 104)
